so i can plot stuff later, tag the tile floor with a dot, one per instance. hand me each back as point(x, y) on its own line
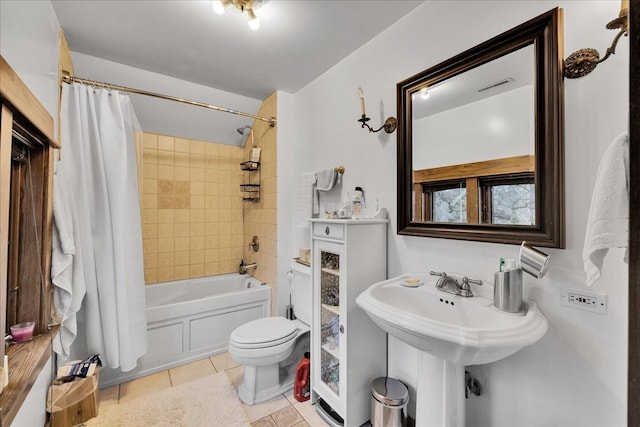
point(282, 411)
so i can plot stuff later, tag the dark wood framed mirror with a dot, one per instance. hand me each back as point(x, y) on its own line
point(480, 141)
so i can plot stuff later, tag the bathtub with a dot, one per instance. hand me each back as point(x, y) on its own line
point(191, 319)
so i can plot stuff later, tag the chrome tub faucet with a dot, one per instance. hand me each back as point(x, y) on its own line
point(243, 268)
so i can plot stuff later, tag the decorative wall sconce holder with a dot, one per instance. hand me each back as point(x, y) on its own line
point(583, 61)
point(389, 125)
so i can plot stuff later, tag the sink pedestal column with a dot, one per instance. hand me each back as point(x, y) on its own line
point(440, 400)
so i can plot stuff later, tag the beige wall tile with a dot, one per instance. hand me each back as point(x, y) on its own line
point(182, 229)
point(166, 143)
point(150, 156)
point(182, 173)
point(150, 246)
point(182, 145)
point(166, 216)
point(212, 268)
point(211, 149)
point(211, 215)
point(212, 242)
point(166, 172)
point(197, 174)
point(197, 202)
point(166, 158)
point(150, 201)
point(182, 272)
point(197, 257)
point(197, 146)
point(150, 261)
point(196, 243)
point(211, 255)
point(149, 231)
point(166, 201)
point(166, 274)
point(182, 258)
point(182, 202)
point(165, 186)
point(182, 243)
point(197, 229)
point(197, 270)
point(166, 244)
point(166, 260)
point(197, 188)
point(150, 140)
point(165, 230)
point(182, 160)
point(150, 186)
point(190, 195)
point(182, 215)
point(150, 171)
point(150, 275)
point(149, 216)
point(228, 266)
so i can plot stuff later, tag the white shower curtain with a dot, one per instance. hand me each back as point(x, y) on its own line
point(98, 159)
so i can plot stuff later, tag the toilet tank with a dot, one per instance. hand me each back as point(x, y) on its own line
point(301, 292)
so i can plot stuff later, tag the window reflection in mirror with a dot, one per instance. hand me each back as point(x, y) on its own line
point(486, 113)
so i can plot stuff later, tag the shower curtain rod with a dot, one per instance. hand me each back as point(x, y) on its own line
point(70, 79)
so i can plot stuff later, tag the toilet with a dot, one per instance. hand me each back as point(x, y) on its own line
point(270, 348)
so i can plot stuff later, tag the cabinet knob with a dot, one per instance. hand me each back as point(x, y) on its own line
point(326, 230)
point(342, 329)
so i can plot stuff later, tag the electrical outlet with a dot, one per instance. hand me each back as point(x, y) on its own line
point(584, 300)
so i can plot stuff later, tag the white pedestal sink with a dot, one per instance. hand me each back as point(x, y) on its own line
point(456, 330)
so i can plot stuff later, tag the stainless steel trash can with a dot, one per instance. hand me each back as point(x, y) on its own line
point(389, 398)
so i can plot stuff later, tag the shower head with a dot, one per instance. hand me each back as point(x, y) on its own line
point(241, 130)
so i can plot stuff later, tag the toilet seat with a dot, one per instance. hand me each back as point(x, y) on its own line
point(263, 333)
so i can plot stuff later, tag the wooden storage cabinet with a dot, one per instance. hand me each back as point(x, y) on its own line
point(348, 349)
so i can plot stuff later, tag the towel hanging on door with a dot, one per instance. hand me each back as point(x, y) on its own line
point(608, 223)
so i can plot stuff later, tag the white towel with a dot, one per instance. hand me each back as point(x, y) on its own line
point(325, 180)
point(304, 199)
point(66, 265)
point(608, 224)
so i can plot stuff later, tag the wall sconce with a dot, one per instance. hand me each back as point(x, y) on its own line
point(583, 61)
point(389, 125)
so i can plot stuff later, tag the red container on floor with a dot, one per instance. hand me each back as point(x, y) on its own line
point(302, 383)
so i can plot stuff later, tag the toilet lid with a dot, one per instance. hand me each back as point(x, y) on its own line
point(264, 332)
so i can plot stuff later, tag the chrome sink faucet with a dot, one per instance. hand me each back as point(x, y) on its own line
point(450, 285)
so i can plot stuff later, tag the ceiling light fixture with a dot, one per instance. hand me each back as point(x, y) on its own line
point(249, 6)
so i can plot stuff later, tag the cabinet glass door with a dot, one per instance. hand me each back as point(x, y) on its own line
point(330, 320)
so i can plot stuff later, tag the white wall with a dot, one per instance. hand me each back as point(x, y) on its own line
point(576, 375)
point(33, 410)
point(492, 128)
point(286, 175)
point(29, 44)
point(168, 117)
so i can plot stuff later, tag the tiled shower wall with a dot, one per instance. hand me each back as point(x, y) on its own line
point(191, 208)
point(260, 219)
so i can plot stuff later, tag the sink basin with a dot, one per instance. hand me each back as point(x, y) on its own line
point(464, 331)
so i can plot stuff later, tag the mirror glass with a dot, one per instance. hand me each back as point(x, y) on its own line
point(484, 114)
point(480, 141)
